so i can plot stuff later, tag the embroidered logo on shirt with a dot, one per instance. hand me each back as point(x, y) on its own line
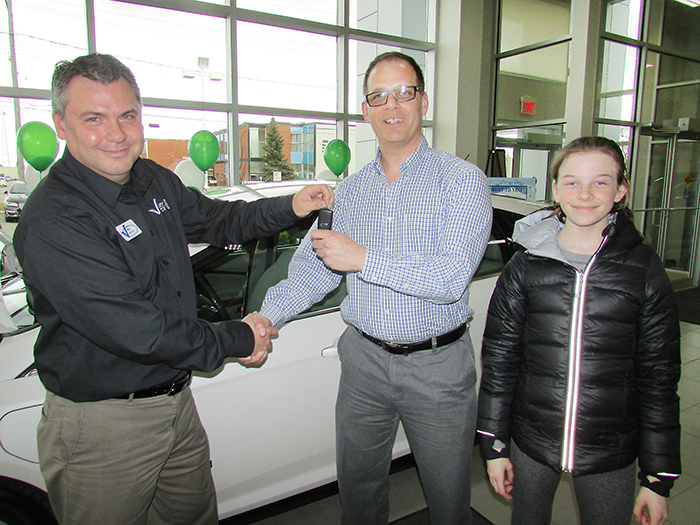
point(128, 230)
point(159, 207)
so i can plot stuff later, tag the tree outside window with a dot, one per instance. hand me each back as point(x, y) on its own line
point(274, 160)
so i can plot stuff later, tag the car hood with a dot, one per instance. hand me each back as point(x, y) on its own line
point(16, 197)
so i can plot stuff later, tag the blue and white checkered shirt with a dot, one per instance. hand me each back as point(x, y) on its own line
point(425, 235)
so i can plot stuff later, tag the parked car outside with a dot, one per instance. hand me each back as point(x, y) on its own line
point(291, 421)
point(15, 197)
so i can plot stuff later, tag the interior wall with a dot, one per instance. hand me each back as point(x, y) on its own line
point(463, 75)
point(550, 96)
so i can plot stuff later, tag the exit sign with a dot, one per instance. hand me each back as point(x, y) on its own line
point(528, 107)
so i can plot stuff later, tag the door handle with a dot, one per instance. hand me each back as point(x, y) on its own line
point(330, 351)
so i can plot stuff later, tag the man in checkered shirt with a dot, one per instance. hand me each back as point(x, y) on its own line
point(409, 231)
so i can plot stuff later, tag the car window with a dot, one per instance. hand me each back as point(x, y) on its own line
point(500, 248)
point(504, 222)
point(232, 282)
point(221, 276)
point(493, 259)
point(270, 265)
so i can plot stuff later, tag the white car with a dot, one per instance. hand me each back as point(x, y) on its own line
point(15, 197)
point(291, 420)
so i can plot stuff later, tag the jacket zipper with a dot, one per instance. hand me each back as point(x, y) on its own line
point(574, 375)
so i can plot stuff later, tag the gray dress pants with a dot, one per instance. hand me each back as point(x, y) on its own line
point(433, 394)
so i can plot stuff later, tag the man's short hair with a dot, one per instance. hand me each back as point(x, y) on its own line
point(394, 56)
point(95, 66)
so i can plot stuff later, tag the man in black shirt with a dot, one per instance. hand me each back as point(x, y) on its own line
point(103, 244)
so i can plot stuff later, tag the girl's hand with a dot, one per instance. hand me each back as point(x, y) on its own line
point(650, 508)
point(501, 476)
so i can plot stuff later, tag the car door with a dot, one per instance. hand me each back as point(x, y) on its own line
point(271, 429)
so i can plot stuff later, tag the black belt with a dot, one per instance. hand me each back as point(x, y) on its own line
point(435, 342)
point(161, 390)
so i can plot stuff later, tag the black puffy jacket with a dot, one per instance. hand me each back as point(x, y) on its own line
point(581, 368)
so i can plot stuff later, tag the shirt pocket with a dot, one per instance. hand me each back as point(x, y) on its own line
point(418, 233)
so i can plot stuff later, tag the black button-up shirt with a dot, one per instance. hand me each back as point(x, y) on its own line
point(110, 274)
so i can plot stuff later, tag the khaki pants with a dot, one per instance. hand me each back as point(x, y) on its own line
point(122, 462)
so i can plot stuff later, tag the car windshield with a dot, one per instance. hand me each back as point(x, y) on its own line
point(19, 187)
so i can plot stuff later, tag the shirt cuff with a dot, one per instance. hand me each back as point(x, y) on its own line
point(373, 268)
point(274, 314)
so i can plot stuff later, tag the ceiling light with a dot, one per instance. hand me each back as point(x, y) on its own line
point(691, 3)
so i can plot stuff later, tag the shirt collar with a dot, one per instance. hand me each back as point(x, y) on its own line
point(411, 164)
point(107, 190)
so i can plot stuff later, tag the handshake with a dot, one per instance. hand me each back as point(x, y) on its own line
point(263, 332)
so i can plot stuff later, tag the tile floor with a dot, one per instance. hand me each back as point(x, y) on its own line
point(406, 496)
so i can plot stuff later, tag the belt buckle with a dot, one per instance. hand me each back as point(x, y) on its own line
point(403, 348)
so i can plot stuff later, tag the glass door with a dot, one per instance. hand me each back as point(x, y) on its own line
point(671, 218)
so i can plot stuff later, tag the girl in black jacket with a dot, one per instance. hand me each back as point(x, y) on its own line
point(581, 355)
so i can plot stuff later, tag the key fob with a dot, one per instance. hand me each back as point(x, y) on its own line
point(325, 219)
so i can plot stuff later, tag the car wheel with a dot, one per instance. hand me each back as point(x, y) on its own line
point(22, 504)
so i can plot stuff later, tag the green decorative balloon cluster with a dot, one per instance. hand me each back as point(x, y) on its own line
point(337, 156)
point(38, 144)
point(204, 149)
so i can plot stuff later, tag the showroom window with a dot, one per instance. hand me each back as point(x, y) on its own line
point(217, 65)
point(632, 74)
point(532, 72)
point(618, 77)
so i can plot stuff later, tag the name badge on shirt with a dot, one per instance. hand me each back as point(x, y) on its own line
point(128, 230)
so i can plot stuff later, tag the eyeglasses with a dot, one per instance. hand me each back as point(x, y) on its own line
point(401, 94)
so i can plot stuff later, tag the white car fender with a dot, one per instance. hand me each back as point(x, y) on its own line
point(22, 402)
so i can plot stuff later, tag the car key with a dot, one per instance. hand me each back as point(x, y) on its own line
point(325, 219)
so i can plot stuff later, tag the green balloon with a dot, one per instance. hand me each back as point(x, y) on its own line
point(337, 156)
point(204, 149)
point(38, 144)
